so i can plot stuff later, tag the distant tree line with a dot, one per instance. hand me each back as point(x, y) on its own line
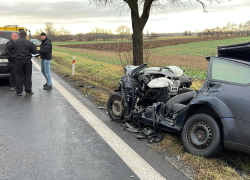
point(123, 33)
point(230, 29)
point(63, 34)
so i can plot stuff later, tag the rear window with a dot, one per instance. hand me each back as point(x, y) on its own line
point(35, 40)
point(5, 35)
point(230, 72)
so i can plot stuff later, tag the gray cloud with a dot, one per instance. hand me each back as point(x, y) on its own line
point(72, 12)
point(65, 12)
point(69, 12)
point(193, 5)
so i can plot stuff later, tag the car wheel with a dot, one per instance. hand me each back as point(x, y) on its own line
point(201, 136)
point(115, 107)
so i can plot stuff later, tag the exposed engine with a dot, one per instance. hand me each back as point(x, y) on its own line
point(141, 86)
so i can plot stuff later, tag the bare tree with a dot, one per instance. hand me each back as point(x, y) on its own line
point(96, 32)
point(139, 21)
point(50, 30)
point(37, 34)
point(89, 37)
point(122, 31)
point(128, 32)
point(80, 36)
point(63, 34)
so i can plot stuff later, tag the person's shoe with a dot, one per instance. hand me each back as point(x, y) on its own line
point(19, 94)
point(45, 85)
point(47, 88)
point(29, 94)
point(12, 88)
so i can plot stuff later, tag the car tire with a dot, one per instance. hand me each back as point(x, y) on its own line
point(116, 107)
point(201, 136)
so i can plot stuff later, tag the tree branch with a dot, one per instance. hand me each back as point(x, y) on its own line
point(147, 4)
point(132, 5)
point(145, 14)
point(203, 5)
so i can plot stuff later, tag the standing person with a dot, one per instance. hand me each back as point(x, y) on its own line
point(46, 56)
point(23, 49)
point(12, 78)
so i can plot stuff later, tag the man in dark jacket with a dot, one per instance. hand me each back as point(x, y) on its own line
point(23, 49)
point(12, 78)
point(46, 56)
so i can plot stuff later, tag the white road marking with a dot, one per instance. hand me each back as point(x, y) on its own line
point(137, 164)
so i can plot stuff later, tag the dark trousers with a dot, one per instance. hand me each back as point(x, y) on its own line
point(12, 78)
point(23, 72)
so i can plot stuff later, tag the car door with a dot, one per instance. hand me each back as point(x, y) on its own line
point(229, 81)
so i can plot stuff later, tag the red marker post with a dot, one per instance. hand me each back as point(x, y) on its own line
point(73, 66)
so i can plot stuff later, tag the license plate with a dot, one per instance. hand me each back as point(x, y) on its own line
point(3, 60)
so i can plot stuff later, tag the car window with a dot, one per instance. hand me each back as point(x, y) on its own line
point(5, 35)
point(230, 72)
point(34, 40)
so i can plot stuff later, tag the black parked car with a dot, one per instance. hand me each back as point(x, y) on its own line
point(209, 120)
point(5, 36)
point(36, 42)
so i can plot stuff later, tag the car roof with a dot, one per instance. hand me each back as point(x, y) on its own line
point(243, 61)
point(9, 32)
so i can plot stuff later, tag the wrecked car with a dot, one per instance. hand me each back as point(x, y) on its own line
point(210, 119)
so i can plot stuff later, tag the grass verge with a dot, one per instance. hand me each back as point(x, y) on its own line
point(232, 165)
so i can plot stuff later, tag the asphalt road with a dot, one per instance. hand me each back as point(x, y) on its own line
point(44, 137)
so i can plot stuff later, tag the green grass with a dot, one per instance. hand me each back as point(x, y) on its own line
point(196, 74)
point(94, 57)
point(204, 48)
point(100, 74)
point(193, 72)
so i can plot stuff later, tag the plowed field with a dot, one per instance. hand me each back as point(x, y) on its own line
point(127, 46)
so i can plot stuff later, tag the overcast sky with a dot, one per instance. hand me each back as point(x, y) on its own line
point(79, 16)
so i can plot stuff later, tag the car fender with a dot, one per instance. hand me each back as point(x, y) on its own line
point(214, 103)
point(219, 110)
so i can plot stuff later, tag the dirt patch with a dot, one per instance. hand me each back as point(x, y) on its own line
point(187, 61)
point(128, 46)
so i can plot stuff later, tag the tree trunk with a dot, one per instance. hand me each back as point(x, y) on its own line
point(137, 48)
point(137, 40)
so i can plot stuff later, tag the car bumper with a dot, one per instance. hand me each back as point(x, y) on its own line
point(4, 69)
point(4, 75)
